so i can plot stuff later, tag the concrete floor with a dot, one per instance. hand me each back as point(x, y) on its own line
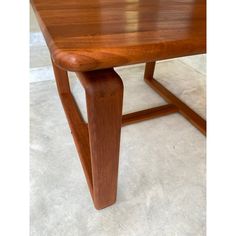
point(161, 188)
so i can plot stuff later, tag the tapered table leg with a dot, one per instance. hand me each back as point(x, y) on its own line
point(104, 96)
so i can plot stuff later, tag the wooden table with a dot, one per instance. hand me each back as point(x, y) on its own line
point(90, 37)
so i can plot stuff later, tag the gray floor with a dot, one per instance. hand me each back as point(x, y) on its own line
point(161, 188)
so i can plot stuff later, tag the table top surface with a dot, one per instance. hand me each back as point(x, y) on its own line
point(87, 35)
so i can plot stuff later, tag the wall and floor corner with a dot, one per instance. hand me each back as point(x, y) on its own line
point(162, 161)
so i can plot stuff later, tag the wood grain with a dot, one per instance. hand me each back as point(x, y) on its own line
point(104, 97)
point(90, 35)
point(93, 36)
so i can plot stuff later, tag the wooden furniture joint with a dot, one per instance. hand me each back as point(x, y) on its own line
point(92, 37)
point(103, 107)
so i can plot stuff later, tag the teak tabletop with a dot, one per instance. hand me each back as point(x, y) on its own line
point(91, 37)
point(96, 34)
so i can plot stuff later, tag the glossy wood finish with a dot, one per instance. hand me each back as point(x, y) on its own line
point(95, 34)
point(185, 110)
point(104, 97)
